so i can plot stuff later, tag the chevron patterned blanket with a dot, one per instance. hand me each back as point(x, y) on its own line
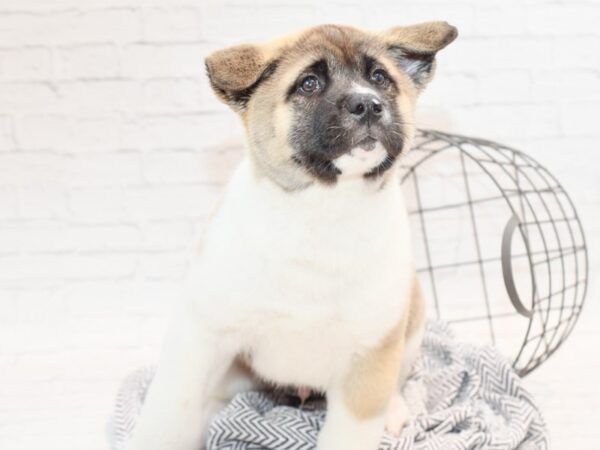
point(461, 397)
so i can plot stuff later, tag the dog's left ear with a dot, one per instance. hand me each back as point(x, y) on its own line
point(414, 48)
point(236, 72)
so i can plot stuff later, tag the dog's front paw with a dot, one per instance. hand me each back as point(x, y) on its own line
point(349, 432)
point(397, 415)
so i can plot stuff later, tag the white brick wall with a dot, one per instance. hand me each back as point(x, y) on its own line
point(113, 150)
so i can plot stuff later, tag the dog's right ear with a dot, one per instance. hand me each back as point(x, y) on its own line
point(235, 73)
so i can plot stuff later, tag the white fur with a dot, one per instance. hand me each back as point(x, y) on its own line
point(412, 350)
point(397, 415)
point(300, 281)
point(343, 431)
point(362, 89)
point(359, 161)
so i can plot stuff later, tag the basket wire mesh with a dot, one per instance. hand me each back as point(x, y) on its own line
point(501, 252)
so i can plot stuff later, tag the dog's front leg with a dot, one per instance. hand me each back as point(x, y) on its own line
point(178, 403)
point(357, 403)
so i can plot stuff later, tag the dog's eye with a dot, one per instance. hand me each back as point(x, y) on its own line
point(309, 85)
point(379, 77)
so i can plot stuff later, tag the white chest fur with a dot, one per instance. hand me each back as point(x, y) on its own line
point(304, 279)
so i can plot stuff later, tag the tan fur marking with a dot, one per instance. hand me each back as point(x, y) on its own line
point(416, 315)
point(423, 37)
point(373, 376)
point(235, 68)
point(340, 41)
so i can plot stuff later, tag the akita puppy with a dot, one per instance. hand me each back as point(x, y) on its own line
point(305, 275)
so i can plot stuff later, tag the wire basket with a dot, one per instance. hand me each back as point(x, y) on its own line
point(500, 250)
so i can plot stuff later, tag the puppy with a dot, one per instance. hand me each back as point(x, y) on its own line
point(305, 276)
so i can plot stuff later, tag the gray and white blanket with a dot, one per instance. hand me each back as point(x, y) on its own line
point(461, 397)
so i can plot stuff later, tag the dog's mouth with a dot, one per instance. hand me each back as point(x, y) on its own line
point(363, 157)
point(367, 143)
point(367, 151)
point(368, 137)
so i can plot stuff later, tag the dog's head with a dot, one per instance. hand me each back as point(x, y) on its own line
point(330, 102)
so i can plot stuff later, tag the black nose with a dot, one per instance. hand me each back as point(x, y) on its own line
point(364, 107)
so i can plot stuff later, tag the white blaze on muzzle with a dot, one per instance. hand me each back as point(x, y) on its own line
point(362, 89)
point(360, 161)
